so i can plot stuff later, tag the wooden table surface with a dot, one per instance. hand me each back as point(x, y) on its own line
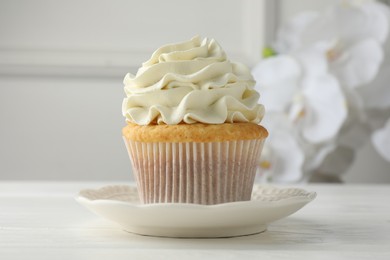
point(41, 220)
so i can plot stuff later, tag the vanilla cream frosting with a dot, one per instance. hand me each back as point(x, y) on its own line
point(191, 82)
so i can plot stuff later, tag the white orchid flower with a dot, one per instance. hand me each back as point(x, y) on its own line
point(277, 79)
point(316, 91)
point(325, 105)
point(289, 35)
point(349, 21)
point(353, 32)
point(358, 64)
point(381, 141)
point(325, 108)
point(304, 102)
point(282, 158)
point(301, 87)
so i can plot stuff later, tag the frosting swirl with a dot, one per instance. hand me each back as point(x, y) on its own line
point(191, 82)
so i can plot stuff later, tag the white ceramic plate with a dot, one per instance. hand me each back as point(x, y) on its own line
point(121, 205)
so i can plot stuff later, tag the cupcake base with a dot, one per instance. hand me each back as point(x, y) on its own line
point(195, 172)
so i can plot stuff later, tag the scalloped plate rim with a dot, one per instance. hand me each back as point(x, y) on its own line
point(299, 199)
point(252, 211)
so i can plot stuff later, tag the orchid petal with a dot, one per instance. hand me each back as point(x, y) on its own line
point(359, 64)
point(326, 109)
point(276, 80)
point(289, 35)
point(379, 20)
point(313, 60)
point(348, 23)
point(287, 158)
point(381, 141)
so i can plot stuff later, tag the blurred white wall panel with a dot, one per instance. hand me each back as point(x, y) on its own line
point(62, 129)
point(61, 70)
point(107, 37)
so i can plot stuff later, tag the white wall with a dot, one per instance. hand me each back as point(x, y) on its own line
point(61, 70)
point(61, 128)
point(62, 65)
point(92, 38)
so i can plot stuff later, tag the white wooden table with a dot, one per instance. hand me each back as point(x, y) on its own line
point(41, 220)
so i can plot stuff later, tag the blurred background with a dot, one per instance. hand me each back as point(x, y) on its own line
point(62, 64)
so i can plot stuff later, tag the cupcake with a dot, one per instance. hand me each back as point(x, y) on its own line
point(193, 133)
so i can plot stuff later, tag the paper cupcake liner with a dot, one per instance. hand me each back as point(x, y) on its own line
point(200, 173)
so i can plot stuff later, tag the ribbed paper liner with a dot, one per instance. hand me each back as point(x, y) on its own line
point(200, 173)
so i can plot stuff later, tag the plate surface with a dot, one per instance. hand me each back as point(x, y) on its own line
point(121, 204)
